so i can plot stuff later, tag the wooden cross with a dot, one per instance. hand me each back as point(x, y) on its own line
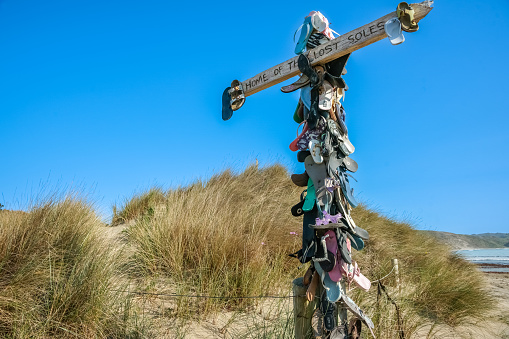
point(334, 49)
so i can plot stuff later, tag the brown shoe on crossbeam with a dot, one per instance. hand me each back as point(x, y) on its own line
point(300, 180)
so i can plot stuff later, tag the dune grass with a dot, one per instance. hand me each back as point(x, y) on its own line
point(227, 237)
point(230, 236)
point(56, 277)
point(435, 283)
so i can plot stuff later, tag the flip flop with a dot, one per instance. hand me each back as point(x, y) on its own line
point(301, 82)
point(332, 289)
point(393, 30)
point(361, 233)
point(325, 93)
point(306, 280)
point(305, 67)
point(317, 324)
point(237, 97)
point(227, 111)
point(307, 134)
point(328, 311)
point(352, 307)
point(355, 328)
point(336, 67)
point(405, 14)
point(297, 210)
point(346, 146)
point(347, 220)
point(335, 274)
point(355, 274)
point(345, 188)
point(334, 129)
point(298, 115)
point(328, 308)
point(357, 243)
point(294, 144)
point(302, 155)
point(335, 161)
point(300, 180)
point(310, 200)
point(305, 33)
point(338, 333)
point(323, 256)
point(313, 284)
point(341, 118)
point(350, 164)
point(344, 247)
point(318, 173)
point(316, 151)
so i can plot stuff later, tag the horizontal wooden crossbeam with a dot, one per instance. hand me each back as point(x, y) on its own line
point(342, 45)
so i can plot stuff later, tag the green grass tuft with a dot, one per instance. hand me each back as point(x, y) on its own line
point(56, 276)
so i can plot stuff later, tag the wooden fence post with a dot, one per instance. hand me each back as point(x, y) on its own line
point(302, 310)
point(396, 273)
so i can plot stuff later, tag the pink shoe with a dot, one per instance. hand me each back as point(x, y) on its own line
point(354, 273)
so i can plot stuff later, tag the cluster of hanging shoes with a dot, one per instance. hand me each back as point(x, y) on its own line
point(329, 232)
point(405, 21)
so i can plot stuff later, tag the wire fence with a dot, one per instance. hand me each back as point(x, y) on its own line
point(176, 295)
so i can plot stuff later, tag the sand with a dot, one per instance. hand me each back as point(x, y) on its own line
point(495, 328)
point(231, 324)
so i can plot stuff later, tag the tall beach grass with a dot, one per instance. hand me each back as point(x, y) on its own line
point(230, 236)
point(56, 275)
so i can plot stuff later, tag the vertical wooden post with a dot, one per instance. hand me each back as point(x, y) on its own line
point(341, 310)
point(396, 273)
point(302, 310)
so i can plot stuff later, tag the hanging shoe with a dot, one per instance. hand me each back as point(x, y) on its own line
point(317, 324)
point(352, 307)
point(305, 32)
point(350, 164)
point(325, 96)
point(302, 155)
point(354, 328)
point(297, 210)
point(316, 151)
point(298, 114)
point(405, 14)
point(393, 30)
point(324, 257)
point(328, 310)
point(338, 333)
point(301, 82)
point(345, 187)
point(300, 180)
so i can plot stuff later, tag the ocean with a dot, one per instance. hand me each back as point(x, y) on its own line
point(488, 259)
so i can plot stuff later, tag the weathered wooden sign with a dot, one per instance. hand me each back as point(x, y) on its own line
point(342, 45)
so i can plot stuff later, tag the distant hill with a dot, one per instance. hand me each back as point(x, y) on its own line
point(470, 241)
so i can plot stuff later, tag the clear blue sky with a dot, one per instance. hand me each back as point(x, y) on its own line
point(117, 96)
